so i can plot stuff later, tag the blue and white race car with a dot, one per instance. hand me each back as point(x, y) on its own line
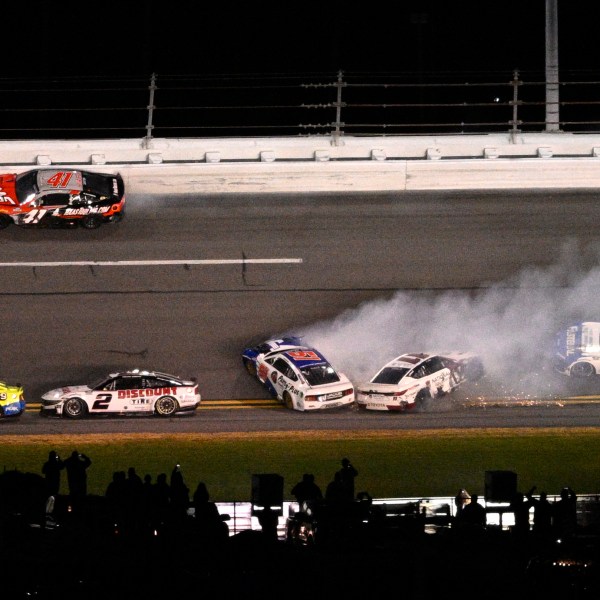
point(577, 350)
point(299, 376)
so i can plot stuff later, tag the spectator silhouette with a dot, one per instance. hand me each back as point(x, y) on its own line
point(307, 492)
point(347, 476)
point(116, 495)
point(135, 485)
point(207, 518)
point(335, 492)
point(51, 470)
point(542, 515)
point(76, 466)
point(160, 500)
point(180, 493)
point(520, 506)
point(269, 521)
point(473, 515)
point(564, 514)
point(461, 499)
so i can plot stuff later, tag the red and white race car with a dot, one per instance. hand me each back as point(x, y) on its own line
point(61, 197)
point(413, 380)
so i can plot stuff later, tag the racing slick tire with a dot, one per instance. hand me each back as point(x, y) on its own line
point(474, 371)
point(250, 366)
point(5, 221)
point(423, 400)
point(91, 221)
point(582, 370)
point(287, 401)
point(166, 406)
point(74, 408)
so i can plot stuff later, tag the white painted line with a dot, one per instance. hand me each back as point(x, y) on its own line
point(151, 263)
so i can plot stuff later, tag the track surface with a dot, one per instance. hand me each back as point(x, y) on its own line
point(190, 297)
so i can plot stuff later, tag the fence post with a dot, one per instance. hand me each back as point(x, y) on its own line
point(515, 102)
point(149, 127)
point(337, 132)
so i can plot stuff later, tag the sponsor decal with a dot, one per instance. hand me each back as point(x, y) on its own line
point(147, 392)
point(4, 199)
point(303, 355)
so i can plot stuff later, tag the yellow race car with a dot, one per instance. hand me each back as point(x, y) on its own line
point(12, 400)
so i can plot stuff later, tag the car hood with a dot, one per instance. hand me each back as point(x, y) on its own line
point(65, 391)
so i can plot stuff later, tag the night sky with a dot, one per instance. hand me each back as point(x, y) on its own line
point(67, 37)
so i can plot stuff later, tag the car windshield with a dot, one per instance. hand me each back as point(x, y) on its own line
point(100, 384)
point(26, 185)
point(390, 375)
point(97, 184)
point(320, 374)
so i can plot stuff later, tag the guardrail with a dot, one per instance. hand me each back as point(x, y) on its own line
point(333, 104)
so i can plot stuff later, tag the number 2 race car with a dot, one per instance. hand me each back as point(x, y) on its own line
point(61, 197)
point(414, 380)
point(298, 376)
point(129, 392)
point(12, 401)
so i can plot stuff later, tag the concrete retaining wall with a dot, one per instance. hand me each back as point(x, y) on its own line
point(324, 163)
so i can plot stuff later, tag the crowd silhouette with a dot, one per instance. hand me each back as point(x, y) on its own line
point(93, 545)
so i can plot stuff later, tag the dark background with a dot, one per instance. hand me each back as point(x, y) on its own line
point(42, 37)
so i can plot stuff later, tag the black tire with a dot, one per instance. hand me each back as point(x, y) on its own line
point(287, 401)
point(474, 370)
point(166, 406)
point(92, 221)
point(423, 400)
point(250, 367)
point(74, 408)
point(5, 221)
point(582, 370)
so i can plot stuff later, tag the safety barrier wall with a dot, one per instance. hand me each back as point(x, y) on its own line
point(325, 163)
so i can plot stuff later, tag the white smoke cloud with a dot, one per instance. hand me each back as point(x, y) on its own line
point(511, 325)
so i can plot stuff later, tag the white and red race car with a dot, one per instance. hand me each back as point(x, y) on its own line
point(127, 392)
point(413, 380)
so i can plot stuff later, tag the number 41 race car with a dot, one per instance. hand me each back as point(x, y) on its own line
point(413, 380)
point(61, 197)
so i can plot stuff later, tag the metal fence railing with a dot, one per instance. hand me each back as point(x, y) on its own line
point(258, 105)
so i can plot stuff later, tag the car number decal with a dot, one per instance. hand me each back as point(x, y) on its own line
point(303, 355)
point(60, 179)
point(34, 216)
point(102, 401)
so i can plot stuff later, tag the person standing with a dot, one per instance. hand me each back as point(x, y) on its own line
point(347, 476)
point(564, 514)
point(76, 466)
point(51, 470)
point(307, 492)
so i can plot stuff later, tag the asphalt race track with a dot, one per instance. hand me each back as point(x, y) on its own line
point(178, 286)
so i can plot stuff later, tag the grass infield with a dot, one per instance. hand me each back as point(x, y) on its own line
point(391, 464)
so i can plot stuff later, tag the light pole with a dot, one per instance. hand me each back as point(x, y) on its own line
point(552, 81)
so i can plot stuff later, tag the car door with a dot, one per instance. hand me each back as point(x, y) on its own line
point(45, 208)
point(283, 378)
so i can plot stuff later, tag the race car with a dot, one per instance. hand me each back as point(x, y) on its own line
point(127, 392)
point(577, 350)
point(61, 197)
point(12, 400)
point(413, 380)
point(299, 376)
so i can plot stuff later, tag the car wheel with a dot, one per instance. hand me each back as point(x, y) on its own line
point(423, 400)
point(250, 367)
point(5, 221)
point(74, 408)
point(287, 400)
point(582, 369)
point(474, 371)
point(91, 221)
point(166, 406)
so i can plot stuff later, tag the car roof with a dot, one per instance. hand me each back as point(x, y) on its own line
point(144, 373)
point(304, 356)
point(55, 180)
point(409, 360)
